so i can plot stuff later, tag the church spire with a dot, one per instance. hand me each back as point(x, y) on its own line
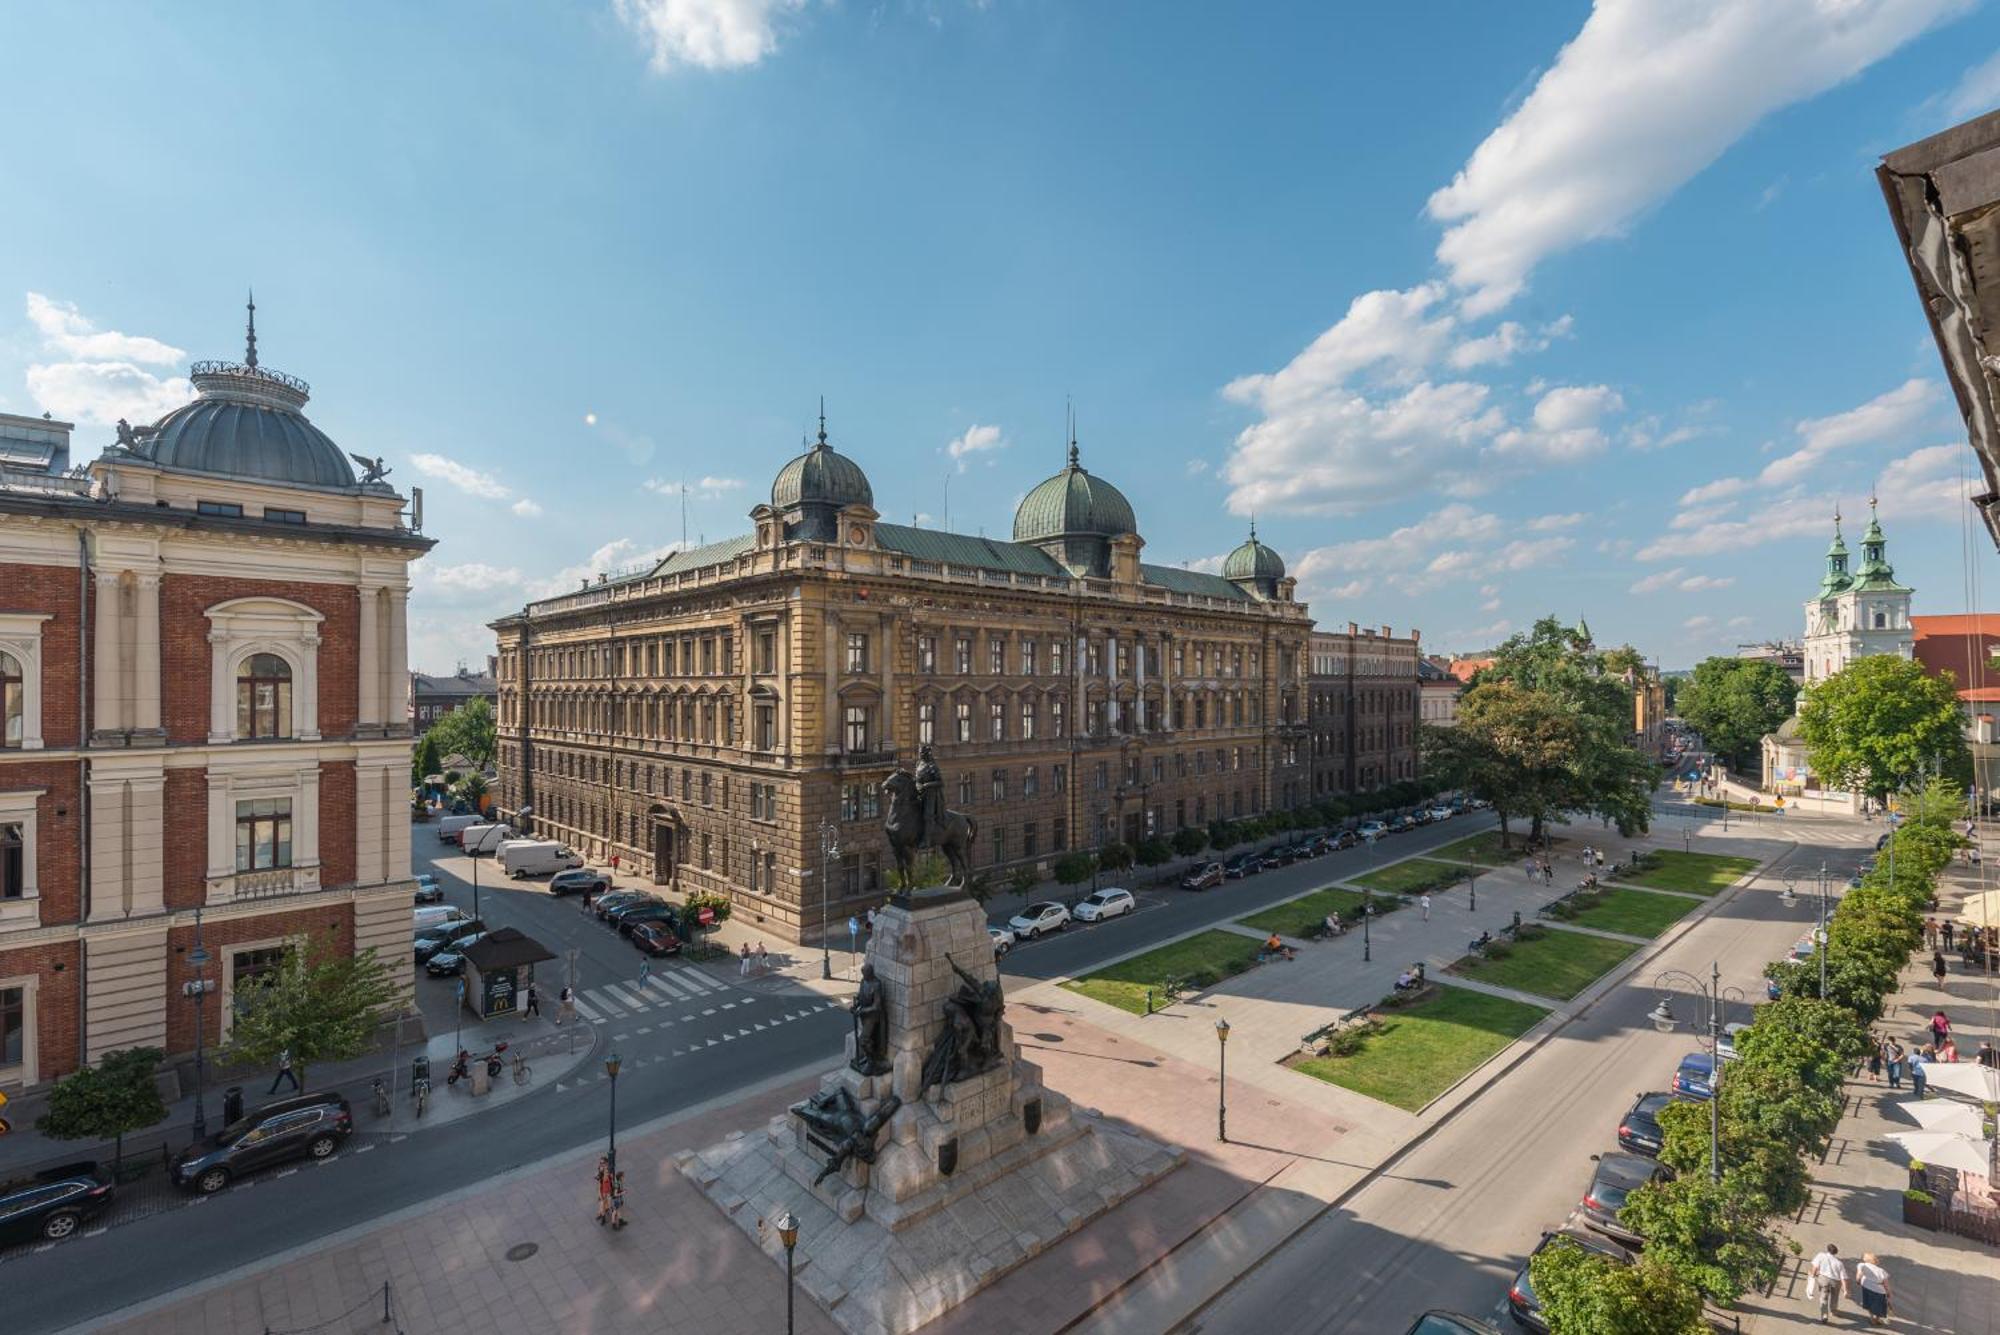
point(250, 339)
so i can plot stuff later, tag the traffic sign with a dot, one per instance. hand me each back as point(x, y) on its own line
point(705, 916)
point(854, 926)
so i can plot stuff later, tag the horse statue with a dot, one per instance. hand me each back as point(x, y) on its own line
point(903, 823)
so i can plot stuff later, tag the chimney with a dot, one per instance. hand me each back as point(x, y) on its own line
point(1353, 628)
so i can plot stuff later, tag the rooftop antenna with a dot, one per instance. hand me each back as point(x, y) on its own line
point(250, 342)
point(1069, 409)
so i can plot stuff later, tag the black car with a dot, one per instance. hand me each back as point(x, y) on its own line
point(1243, 864)
point(1639, 1129)
point(1523, 1306)
point(1440, 1322)
point(428, 889)
point(665, 914)
point(436, 940)
point(605, 904)
point(1618, 1176)
point(450, 962)
point(306, 1126)
point(54, 1204)
point(619, 911)
point(1399, 824)
point(1280, 855)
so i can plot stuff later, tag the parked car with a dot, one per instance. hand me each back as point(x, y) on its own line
point(1726, 1045)
point(53, 1204)
point(1037, 919)
point(626, 919)
point(1203, 876)
point(1401, 824)
point(428, 889)
point(1421, 816)
point(304, 1126)
point(1617, 1176)
point(579, 880)
point(522, 858)
point(1372, 829)
point(1696, 1077)
point(432, 916)
point(1440, 1322)
point(1243, 864)
point(1345, 839)
point(605, 903)
point(450, 827)
point(1003, 940)
point(450, 962)
point(439, 939)
point(1106, 903)
point(1523, 1306)
point(1442, 812)
point(1639, 1128)
point(656, 938)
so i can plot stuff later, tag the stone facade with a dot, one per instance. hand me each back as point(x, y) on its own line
point(186, 652)
point(723, 720)
point(1364, 700)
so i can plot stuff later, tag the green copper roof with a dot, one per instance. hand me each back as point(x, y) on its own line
point(929, 544)
point(1195, 582)
point(1253, 560)
point(821, 475)
point(1073, 502)
point(696, 557)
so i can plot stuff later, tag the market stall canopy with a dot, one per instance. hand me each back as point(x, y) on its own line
point(1982, 909)
point(1958, 1119)
point(505, 948)
point(1968, 1080)
point(1943, 1150)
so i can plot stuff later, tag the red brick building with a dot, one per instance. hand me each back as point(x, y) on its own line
point(202, 672)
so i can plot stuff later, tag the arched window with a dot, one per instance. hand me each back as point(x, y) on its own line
point(13, 700)
point(264, 697)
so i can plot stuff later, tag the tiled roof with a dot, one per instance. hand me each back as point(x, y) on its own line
point(1198, 583)
point(930, 544)
point(696, 557)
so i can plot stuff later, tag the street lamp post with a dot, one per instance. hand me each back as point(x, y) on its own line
point(829, 849)
point(199, 957)
point(1819, 937)
point(1662, 1016)
point(1367, 917)
point(1471, 882)
point(611, 1140)
point(788, 1233)
point(1222, 1081)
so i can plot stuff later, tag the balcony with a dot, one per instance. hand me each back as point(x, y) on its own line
point(864, 759)
point(268, 883)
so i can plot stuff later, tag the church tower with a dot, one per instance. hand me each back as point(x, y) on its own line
point(1860, 612)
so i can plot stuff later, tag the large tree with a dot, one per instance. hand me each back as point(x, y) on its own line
point(1584, 1293)
point(316, 1005)
point(468, 731)
point(105, 1101)
point(1734, 702)
point(1882, 723)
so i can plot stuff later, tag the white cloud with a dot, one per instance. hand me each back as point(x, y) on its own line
point(1643, 97)
point(616, 556)
point(1658, 580)
point(473, 576)
point(1926, 484)
point(1883, 418)
point(1389, 331)
point(1739, 623)
point(526, 508)
point(1785, 517)
point(1483, 636)
point(468, 480)
point(1565, 425)
point(1208, 565)
point(1450, 542)
point(1698, 623)
point(976, 440)
point(1977, 92)
point(1717, 490)
point(1678, 579)
point(1196, 467)
point(1702, 583)
point(713, 487)
point(99, 376)
point(1508, 340)
point(706, 34)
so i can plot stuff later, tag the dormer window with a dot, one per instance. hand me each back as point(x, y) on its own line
point(264, 697)
point(224, 509)
point(278, 516)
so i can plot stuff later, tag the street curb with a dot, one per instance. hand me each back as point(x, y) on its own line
point(510, 1176)
point(1522, 1049)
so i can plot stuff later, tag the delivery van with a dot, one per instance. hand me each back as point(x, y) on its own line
point(477, 839)
point(539, 857)
point(450, 827)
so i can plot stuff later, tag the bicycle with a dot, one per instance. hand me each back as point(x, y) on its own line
point(381, 1092)
point(420, 1091)
point(521, 1072)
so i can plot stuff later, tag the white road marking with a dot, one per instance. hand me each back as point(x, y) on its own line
point(647, 1029)
point(285, 1172)
point(709, 1011)
point(363, 1149)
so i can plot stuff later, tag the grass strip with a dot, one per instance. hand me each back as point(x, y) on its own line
point(1199, 961)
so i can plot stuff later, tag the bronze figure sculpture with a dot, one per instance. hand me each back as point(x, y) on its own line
point(916, 817)
point(843, 1128)
point(969, 1043)
point(870, 1012)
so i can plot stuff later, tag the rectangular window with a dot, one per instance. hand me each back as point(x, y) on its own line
point(226, 509)
point(996, 714)
point(854, 721)
point(1159, 768)
point(857, 652)
point(1093, 659)
point(1124, 661)
point(999, 843)
point(1059, 778)
point(1058, 723)
point(1102, 779)
point(963, 717)
point(1031, 783)
point(708, 790)
point(1029, 845)
point(996, 656)
point(965, 790)
point(706, 864)
point(767, 651)
point(926, 724)
point(1058, 834)
point(962, 654)
point(1093, 717)
point(999, 785)
point(13, 1025)
point(707, 656)
point(927, 653)
point(767, 727)
point(278, 516)
point(1028, 658)
point(264, 833)
point(13, 867)
point(1027, 720)
point(1058, 654)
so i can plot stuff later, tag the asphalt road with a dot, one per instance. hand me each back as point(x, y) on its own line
point(1450, 1223)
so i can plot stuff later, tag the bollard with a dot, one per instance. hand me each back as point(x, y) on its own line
point(1149, 1001)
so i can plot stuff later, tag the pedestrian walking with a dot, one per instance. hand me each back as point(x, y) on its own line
point(1919, 1059)
point(1931, 933)
point(1937, 967)
point(566, 1005)
point(534, 1006)
point(604, 1186)
point(1873, 1282)
point(1826, 1280)
point(763, 958)
point(285, 1072)
point(871, 922)
point(1940, 1026)
point(1986, 1056)
point(1945, 930)
point(743, 969)
point(1586, 855)
point(618, 1199)
point(1425, 900)
point(1548, 873)
point(1875, 1061)
point(1892, 1057)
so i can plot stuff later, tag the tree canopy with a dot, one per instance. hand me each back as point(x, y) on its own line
point(1734, 702)
point(1584, 1293)
point(316, 1004)
point(1881, 723)
point(468, 731)
point(106, 1100)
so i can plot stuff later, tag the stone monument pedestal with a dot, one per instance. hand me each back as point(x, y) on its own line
point(969, 1179)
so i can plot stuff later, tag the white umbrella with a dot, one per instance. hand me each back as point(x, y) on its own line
point(1958, 1119)
point(1966, 1079)
point(1983, 908)
point(1944, 1149)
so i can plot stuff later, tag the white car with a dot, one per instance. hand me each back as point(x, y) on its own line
point(1032, 921)
point(1372, 829)
point(1106, 903)
point(1726, 1045)
point(1003, 940)
point(1442, 813)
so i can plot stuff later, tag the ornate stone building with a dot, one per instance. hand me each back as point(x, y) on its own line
point(1363, 710)
point(722, 721)
point(202, 675)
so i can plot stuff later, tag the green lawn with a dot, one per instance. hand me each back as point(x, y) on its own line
point(1199, 961)
point(1423, 1050)
point(1558, 964)
point(1692, 873)
point(1299, 917)
point(1409, 878)
point(1485, 848)
point(1635, 912)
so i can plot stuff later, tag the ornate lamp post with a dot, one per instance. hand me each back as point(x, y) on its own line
point(829, 849)
point(1222, 1081)
point(1714, 994)
point(1819, 934)
point(611, 1141)
point(1471, 882)
point(788, 1233)
point(199, 958)
point(1367, 916)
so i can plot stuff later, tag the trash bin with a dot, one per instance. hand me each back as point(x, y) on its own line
point(232, 1104)
point(420, 1068)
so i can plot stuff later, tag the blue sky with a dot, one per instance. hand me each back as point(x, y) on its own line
point(1482, 310)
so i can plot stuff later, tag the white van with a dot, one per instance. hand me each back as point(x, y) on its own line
point(537, 858)
point(479, 839)
point(449, 827)
point(430, 915)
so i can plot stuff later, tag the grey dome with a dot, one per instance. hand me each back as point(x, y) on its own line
point(246, 422)
point(1253, 560)
point(823, 476)
point(1073, 502)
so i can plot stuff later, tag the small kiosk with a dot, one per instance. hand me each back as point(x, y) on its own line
point(498, 968)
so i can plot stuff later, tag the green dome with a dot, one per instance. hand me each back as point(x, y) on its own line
point(1253, 560)
point(1073, 502)
point(821, 476)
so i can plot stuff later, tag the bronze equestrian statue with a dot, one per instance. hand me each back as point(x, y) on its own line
point(916, 818)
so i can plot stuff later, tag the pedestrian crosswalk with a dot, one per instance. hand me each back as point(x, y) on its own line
point(665, 988)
